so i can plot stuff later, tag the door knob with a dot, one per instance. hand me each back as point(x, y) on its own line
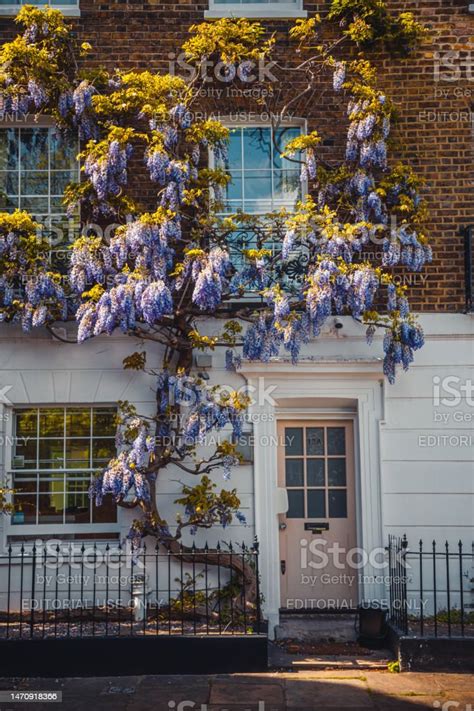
point(282, 526)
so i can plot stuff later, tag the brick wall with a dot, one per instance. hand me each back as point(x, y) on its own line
point(434, 131)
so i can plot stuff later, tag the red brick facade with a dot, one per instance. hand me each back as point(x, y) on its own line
point(434, 131)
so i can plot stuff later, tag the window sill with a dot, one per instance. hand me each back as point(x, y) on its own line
point(270, 14)
point(66, 11)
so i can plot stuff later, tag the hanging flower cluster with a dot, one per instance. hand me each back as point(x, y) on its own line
point(127, 472)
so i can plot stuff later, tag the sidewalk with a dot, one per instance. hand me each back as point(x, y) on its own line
point(300, 691)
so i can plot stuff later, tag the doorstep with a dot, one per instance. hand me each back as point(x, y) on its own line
point(374, 660)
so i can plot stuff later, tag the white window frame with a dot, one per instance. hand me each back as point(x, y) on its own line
point(54, 530)
point(67, 10)
point(256, 10)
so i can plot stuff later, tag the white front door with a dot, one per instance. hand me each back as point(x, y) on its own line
point(318, 533)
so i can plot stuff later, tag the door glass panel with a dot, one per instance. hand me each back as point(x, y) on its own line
point(336, 440)
point(337, 472)
point(316, 504)
point(314, 440)
point(337, 503)
point(315, 472)
point(296, 503)
point(293, 441)
point(294, 472)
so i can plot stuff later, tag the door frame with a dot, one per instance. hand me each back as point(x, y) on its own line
point(359, 381)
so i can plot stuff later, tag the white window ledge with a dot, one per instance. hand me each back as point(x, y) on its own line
point(12, 11)
point(269, 13)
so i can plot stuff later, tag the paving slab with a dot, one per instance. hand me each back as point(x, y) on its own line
point(390, 684)
point(239, 692)
point(325, 693)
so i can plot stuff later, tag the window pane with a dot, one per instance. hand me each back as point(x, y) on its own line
point(63, 153)
point(9, 149)
point(25, 508)
point(337, 472)
point(34, 148)
point(282, 137)
point(294, 472)
point(287, 186)
point(51, 422)
point(258, 186)
point(78, 453)
point(234, 189)
point(51, 453)
point(59, 181)
point(34, 183)
point(27, 448)
point(257, 148)
point(26, 423)
point(51, 508)
point(103, 451)
point(316, 504)
point(293, 441)
point(315, 472)
point(77, 501)
point(314, 441)
point(234, 151)
point(296, 503)
point(104, 422)
point(337, 503)
point(37, 206)
point(336, 440)
point(9, 183)
point(78, 423)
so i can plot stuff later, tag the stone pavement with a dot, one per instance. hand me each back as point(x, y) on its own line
point(274, 691)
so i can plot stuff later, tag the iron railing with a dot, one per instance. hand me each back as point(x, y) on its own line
point(72, 591)
point(431, 588)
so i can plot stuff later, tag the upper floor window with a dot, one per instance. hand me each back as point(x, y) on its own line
point(56, 452)
point(256, 8)
point(36, 164)
point(261, 182)
point(68, 7)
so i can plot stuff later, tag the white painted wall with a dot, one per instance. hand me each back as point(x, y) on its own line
point(425, 486)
